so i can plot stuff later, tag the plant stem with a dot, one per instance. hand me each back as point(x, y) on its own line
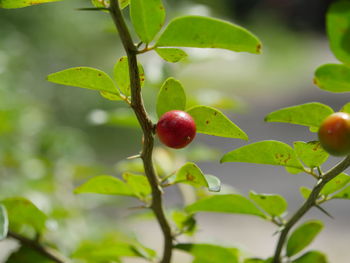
point(308, 204)
point(147, 128)
point(48, 253)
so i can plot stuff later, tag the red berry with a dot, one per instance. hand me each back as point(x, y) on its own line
point(334, 134)
point(176, 129)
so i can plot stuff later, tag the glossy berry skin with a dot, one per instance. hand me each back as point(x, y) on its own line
point(176, 129)
point(334, 134)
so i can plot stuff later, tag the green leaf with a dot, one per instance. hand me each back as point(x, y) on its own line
point(104, 184)
point(274, 205)
point(171, 97)
point(309, 114)
point(84, 77)
point(312, 257)
point(138, 184)
point(122, 75)
point(264, 152)
point(191, 174)
point(111, 249)
point(335, 184)
point(213, 122)
point(303, 236)
point(22, 3)
point(231, 203)
point(99, 3)
point(338, 30)
point(305, 192)
point(346, 108)
point(147, 17)
point(205, 32)
point(343, 194)
point(22, 212)
point(28, 255)
point(333, 77)
point(254, 260)
point(208, 253)
point(185, 222)
point(4, 223)
point(172, 55)
point(311, 153)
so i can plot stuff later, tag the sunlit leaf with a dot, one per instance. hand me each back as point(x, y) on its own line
point(213, 122)
point(311, 153)
point(138, 184)
point(22, 3)
point(274, 205)
point(303, 236)
point(346, 108)
point(231, 203)
point(309, 114)
point(22, 212)
point(100, 3)
point(172, 55)
point(208, 253)
point(185, 222)
point(305, 192)
point(338, 30)
point(171, 97)
point(84, 77)
point(205, 32)
point(191, 174)
point(312, 257)
point(335, 184)
point(343, 194)
point(4, 223)
point(147, 17)
point(122, 75)
point(105, 184)
point(264, 152)
point(333, 77)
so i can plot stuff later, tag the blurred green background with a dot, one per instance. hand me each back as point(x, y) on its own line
point(52, 138)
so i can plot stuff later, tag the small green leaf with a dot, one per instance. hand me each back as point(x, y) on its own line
point(309, 114)
point(4, 223)
point(311, 153)
point(305, 192)
point(185, 222)
point(231, 203)
point(333, 77)
point(338, 30)
point(343, 194)
point(104, 184)
point(274, 205)
point(303, 236)
point(172, 55)
point(208, 253)
point(138, 184)
point(335, 184)
point(254, 260)
point(84, 77)
point(28, 255)
point(100, 3)
point(171, 97)
point(293, 170)
point(22, 3)
point(22, 212)
point(264, 152)
point(147, 17)
point(346, 108)
point(312, 257)
point(122, 75)
point(191, 174)
point(204, 32)
point(213, 122)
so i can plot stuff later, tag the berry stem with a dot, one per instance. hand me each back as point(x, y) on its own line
point(147, 128)
point(308, 204)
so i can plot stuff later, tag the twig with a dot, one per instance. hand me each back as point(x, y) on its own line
point(308, 204)
point(147, 128)
point(47, 252)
